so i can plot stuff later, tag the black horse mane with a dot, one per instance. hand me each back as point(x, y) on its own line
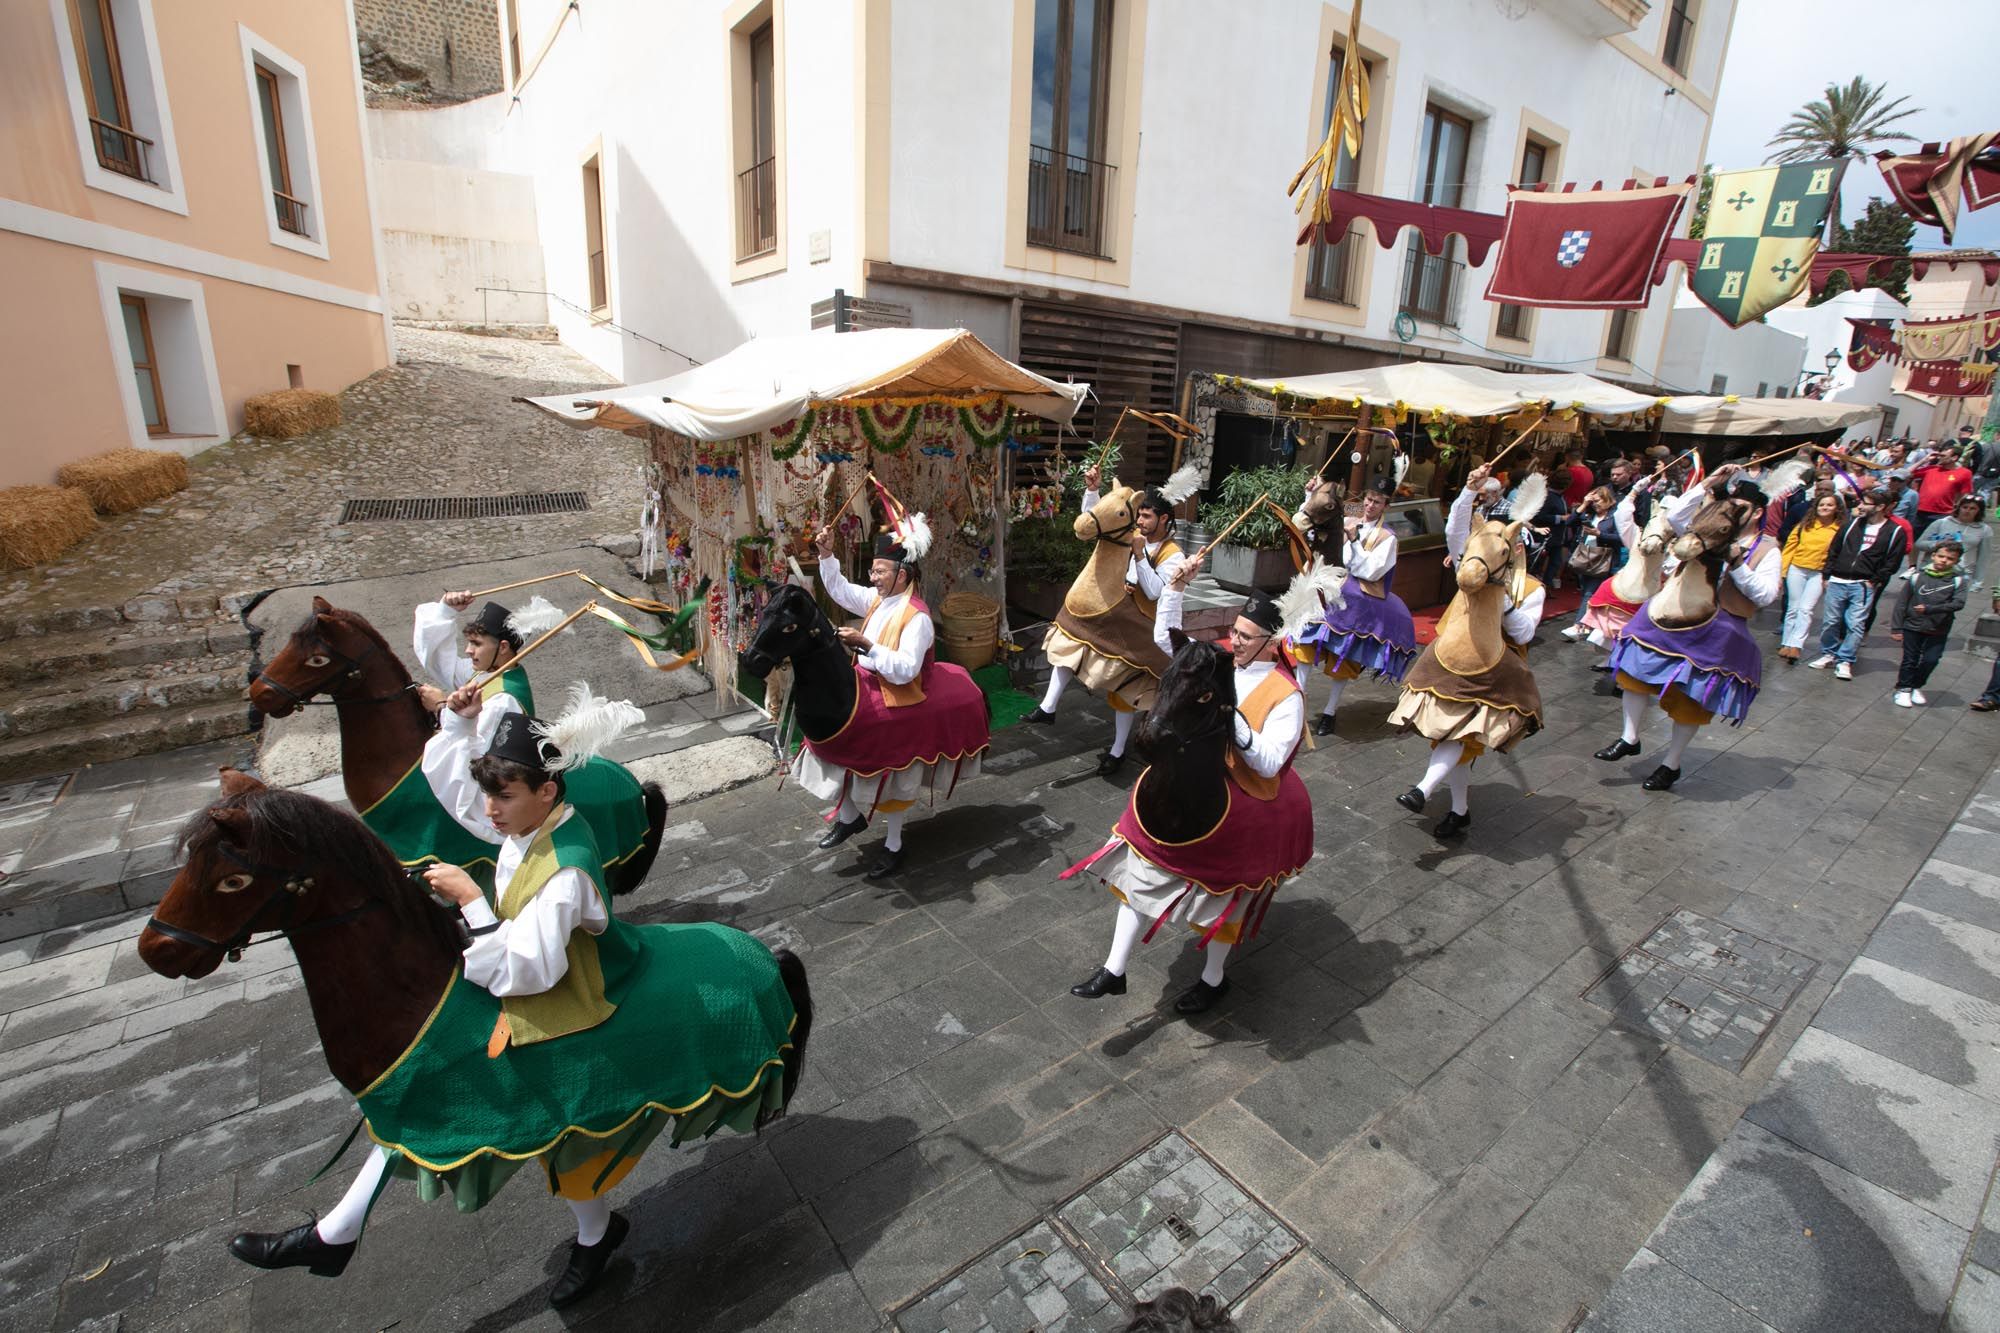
point(289, 829)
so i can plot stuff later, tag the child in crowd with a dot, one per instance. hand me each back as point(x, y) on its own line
point(1937, 594)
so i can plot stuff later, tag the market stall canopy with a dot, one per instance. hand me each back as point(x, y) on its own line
point(769, 381)
point(1700, 414)
point(1461, 391)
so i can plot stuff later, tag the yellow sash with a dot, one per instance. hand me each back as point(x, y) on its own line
point(1168, 548)
point(575, 1002)
point(896, 696)
point(1271, 691)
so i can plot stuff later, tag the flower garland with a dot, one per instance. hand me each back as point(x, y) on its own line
point(985, 424)
point(788, 437)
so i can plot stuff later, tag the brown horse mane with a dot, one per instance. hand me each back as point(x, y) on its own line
point(287, 828)
point(357, 622)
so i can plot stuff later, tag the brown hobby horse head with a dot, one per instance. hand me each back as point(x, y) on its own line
point(1689, 595)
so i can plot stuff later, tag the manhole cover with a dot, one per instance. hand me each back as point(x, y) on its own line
point(16, 796)
point(1164, 1218)
point(1705, 986)
point(464, 506)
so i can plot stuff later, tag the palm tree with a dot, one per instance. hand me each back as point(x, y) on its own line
point(1845, 123)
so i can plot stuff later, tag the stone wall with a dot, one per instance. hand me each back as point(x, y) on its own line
point(429, 50)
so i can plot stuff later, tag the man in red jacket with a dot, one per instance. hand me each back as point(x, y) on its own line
point(1941, 484)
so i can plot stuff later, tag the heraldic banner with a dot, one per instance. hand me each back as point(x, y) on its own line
point(1763, 230)
point(1584, 249)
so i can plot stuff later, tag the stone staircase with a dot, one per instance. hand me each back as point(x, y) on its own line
point(86, 684)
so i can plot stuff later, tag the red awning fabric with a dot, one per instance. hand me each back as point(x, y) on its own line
point(1929, 182)
point(1989, 269)
point(1860, 269)
point(1872, 342)
point(1389, 216)
point(1950, 379)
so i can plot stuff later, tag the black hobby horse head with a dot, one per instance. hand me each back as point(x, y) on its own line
point(1197, 699)
point(792, 623)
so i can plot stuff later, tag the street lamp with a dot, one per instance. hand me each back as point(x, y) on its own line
point(1814, 384)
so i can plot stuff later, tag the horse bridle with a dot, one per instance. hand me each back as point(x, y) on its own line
point(1115, 534)
point(334, 696)
point(291, 889)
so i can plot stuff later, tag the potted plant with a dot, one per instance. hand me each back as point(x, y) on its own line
point(1254, 555)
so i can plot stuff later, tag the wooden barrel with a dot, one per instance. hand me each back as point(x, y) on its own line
point(968, 629)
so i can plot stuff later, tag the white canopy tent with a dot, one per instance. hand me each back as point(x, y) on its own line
point(769, 381)
point(1697, 414)
point(1462, 391)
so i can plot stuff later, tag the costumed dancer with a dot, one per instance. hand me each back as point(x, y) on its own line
point(1104, 635)
point(1219, 818)
point(1371, 628)
point(1471, 690)
point(1619, 597)
point(1689, 648)
point(584, 1036)
point(914, 716)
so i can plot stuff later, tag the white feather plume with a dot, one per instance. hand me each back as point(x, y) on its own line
point(537, 618)
point(586, 725)
point(1787, 477)
point(1529, 499)
point(914, 534)
point(1314, 590)
point(1185, 482)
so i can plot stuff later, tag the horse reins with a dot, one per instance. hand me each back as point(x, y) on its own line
point(290, 890)
point(1115, 534)
point(334, 697)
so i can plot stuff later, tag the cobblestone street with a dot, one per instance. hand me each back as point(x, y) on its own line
point(1428, 1123)
point(266, 513)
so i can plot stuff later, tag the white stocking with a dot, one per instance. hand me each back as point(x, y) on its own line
point(344, 1223)
point(847, 811)
point(1121, 731)
point(1677, 743)
point(1459, 779)
point(1635, 715)
point(1333, 698)
point(593, 1218)
point(894, 841)
point(1444, 758)
point(1218, 954)
point(1123, 936)
point(1059, 680)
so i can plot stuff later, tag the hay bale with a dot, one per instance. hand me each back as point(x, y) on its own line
point(121, 480)
point(39, 523)
point(289, 413)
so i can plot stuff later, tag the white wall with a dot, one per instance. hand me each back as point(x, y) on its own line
point(1825, 328)
point(1700, 346)
point(1225, 108)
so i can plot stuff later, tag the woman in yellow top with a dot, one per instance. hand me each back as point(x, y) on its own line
point(1804, 558)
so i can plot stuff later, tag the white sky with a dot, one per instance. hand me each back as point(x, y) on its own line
point(1944, 54)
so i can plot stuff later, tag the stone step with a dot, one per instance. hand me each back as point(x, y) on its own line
point(155, 611)
point(56, 657)
point(147, 731)
point(63, 705)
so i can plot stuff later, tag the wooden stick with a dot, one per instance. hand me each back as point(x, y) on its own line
point(539, 578)
point(1234, 523)
point(1332, 454)
point(1532, 428)
point(517, 658)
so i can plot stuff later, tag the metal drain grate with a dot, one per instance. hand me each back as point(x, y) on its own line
point(425, 507)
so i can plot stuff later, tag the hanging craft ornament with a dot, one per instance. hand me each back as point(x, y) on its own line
point(1343, 133)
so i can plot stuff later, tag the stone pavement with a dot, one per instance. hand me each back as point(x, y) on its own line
point(1857, 1191)
point(442, 421)
point(1407, 1076)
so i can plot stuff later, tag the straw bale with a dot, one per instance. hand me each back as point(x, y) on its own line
point(39, 523)
point(288, 413)
point(121, 480)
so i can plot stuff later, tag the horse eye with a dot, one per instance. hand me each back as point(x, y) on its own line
point(318, 660)
point(1206, 695)
point(233, 883)
point(790, 628)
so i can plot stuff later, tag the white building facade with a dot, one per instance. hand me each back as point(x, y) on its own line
point(1704, 355)
point(1827, 331)
point(1095, 187)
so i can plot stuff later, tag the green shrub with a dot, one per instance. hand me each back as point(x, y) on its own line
point(1287, 489)
point(1045, 550)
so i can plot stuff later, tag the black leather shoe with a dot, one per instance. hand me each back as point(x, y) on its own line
point(1040, 718)
point(1108, 764)
point(1618, 749)
point(300, 1247)
point(887, 864)
point(1100, 982)
point(1453, 825)
point(1412, 800)
point(840, 833)
point(586, 1265)
point(1323, 727)
point(1608, 687)
point(1200, 997)
point(1661, 778)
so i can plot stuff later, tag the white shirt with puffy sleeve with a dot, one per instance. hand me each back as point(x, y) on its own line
point(529, 954)
point(1267, 750)
point(435, 641)
point(900, 665)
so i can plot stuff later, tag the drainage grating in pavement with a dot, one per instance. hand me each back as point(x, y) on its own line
point(35, 791)
point(464, 506)
point(1703, 985)
point(1165, 1217)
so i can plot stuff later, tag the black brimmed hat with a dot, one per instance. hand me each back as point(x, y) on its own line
point(492, 622)
point(1261, 611)
point(888, 548)
point(1383, 486)
point(519, 740)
